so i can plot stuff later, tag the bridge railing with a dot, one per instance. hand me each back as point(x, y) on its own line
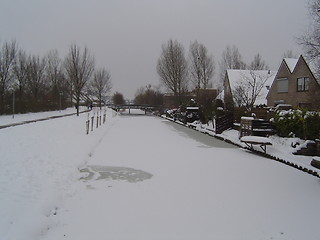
point(144, 107)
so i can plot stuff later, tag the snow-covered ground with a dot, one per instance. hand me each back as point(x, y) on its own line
point(38, 168)
point(281, 147)
point(143, 177)
point(18, 118)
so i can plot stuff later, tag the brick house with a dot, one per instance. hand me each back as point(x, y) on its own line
point(294, 84)
point(171, 101)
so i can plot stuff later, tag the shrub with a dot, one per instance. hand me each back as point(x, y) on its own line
point(297, 123)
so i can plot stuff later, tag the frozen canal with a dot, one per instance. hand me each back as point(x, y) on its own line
point(149, 178)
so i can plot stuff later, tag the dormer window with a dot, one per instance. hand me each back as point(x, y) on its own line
point(303, 84)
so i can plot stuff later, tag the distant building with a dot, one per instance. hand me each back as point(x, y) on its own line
point(294, 84)
point(208, 95)
point(171, 101)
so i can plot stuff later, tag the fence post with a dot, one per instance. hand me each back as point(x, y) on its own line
point(87, 126)
point(97, 120)
point(104, 116)
point(92, 118)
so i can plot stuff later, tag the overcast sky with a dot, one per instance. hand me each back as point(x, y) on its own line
point(125, 36)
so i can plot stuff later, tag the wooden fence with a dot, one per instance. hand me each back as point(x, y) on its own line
point(255, 127)
point(96, 118)
point(224, 122)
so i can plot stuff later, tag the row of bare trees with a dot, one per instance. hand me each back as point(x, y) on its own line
point(33, 83)
point(175, 70)
point(149, 95)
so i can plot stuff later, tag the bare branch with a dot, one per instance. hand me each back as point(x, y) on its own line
point(172, 67)
point(79, 68)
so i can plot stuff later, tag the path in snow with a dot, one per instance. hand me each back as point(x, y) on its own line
point(38, 169)
point(198, 188)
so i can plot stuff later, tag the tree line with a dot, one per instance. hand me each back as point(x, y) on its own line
point(31, 83)
point(178, 73)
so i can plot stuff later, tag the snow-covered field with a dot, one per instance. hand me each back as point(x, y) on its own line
point(18, 118)
point(143, 177)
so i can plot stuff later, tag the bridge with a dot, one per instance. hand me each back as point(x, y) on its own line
point(144, 107)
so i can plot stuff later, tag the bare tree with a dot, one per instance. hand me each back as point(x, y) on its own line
point(7, 56)
point(258, 63)
point(79, 68)
point(249, 88)
point(289, 54)
point(54, 70)
point(149, 95)
point(172, 68)
point(230, 59)
point(56, 79)
point(101, 85)
point(252, 82)
point(20, 72)
point(36, 76)
point(118, 98)
point(311, 39)
point(201, 65)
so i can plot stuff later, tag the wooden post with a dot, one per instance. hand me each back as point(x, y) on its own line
point(87, 126)
point(97, 121)
point(92, 118)
point(104, 118)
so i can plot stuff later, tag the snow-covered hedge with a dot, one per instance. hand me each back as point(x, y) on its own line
point(297, 123)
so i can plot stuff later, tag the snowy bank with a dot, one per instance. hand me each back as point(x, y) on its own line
point(38, 167)
point(281, 149)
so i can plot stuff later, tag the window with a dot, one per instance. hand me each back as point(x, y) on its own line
point(282, 85)
point(302, 84)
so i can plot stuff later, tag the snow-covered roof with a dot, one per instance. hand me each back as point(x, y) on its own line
point(291, 63)
point(237, 77)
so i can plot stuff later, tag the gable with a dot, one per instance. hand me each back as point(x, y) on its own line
point(292, 69)
point(305, 67)
point(282, 72)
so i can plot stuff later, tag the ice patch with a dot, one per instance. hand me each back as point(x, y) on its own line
point(114, 173)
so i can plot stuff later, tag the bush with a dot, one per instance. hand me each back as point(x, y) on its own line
point(297, 123)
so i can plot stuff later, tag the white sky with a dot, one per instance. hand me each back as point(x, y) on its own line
point(125, 36)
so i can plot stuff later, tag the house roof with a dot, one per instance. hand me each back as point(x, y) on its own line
point(291, 63)
point(237, 77)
